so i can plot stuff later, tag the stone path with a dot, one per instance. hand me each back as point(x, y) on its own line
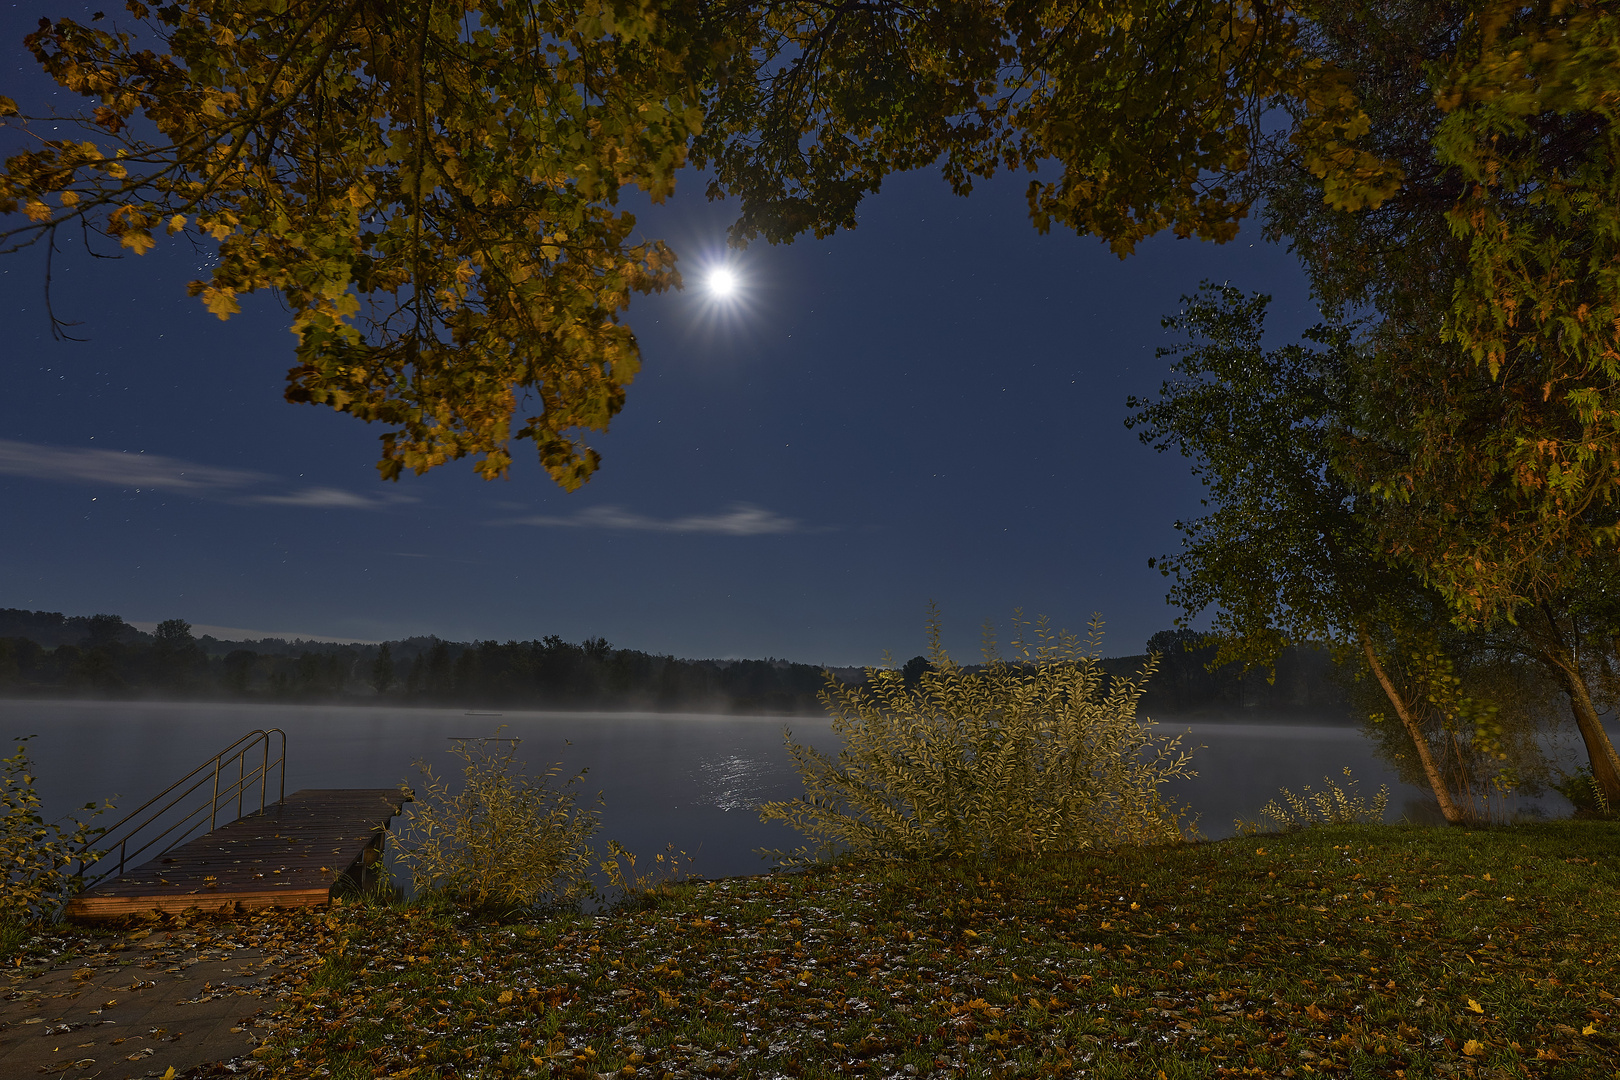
point(137, 1004)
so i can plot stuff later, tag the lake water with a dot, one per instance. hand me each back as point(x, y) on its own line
point(693, 781)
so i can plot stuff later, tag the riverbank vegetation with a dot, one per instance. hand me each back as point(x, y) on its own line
point(103, 657)
point(48, 654)
point(951, 946)
point(1036, 751)
point(1088, 940)
point(1392, 951)
point(38, 858)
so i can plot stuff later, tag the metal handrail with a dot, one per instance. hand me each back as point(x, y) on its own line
point(101, 849)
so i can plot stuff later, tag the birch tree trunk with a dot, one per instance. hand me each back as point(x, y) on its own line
point(1420, 742)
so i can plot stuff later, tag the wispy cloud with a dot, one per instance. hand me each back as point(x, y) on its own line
point(741, 520)
point(155, 472)
point(333, 498)
point(119, 469)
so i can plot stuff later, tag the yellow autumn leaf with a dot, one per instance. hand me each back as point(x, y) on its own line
point(1589, 1029)
point(221, 302)
point(138, 240)
point(37, 211)
point(1473, 1048)
point(505, 998)
point(177, 223)
point(169, 1073)
point(1474, 1006)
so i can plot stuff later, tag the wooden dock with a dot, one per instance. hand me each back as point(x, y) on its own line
point(289, 855)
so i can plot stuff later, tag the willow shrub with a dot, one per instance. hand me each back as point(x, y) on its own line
point(506, 840)
point(36, 855)
point(1037, 752)
point(1332, 805)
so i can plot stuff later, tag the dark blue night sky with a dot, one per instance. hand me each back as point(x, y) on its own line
point(928, 407)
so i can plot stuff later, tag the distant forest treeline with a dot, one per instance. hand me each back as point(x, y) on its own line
point(49, 654)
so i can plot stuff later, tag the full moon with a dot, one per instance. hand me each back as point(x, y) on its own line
point(722, 283)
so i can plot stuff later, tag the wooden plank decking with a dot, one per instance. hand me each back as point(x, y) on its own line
point(290, 855)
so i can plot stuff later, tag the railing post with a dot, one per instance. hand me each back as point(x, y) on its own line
point(149, 813)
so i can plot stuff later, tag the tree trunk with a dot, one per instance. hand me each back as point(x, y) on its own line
point(1565, 665)
point(1420, 742)
point(1599, 749)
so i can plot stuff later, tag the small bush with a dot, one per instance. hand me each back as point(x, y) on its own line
point(1332, 805)
point(627, 888)
point(1039, 752)
point(1583, 794)
point(506, 840)
point(35, 855)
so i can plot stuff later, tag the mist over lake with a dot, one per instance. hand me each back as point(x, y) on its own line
point(689, 780)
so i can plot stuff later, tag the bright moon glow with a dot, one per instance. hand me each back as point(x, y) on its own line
point(722, 283)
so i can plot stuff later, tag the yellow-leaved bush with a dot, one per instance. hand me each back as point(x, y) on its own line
point(1332, 805)
point(1040, 751)
point(506, 840)
point(39, 859)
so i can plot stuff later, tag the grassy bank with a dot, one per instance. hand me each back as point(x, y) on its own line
point(1351, 951)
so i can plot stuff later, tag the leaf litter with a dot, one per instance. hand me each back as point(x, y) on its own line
point(1361, 951)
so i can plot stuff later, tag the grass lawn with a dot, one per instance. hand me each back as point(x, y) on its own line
point(1387, 951)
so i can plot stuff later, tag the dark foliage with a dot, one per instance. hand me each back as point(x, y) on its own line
point(544, 673)
point(1305, 681)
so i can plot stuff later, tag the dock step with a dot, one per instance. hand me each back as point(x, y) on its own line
point(289, 855)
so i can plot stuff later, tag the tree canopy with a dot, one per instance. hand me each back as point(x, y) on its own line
point(1491, 278)
point(431, 187)
point(1288, 553)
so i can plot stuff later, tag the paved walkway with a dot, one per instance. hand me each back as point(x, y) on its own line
point(137, 1004)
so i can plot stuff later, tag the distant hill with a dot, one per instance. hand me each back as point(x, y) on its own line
point(51, 654)
point(46, 653)
point(52, 628)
